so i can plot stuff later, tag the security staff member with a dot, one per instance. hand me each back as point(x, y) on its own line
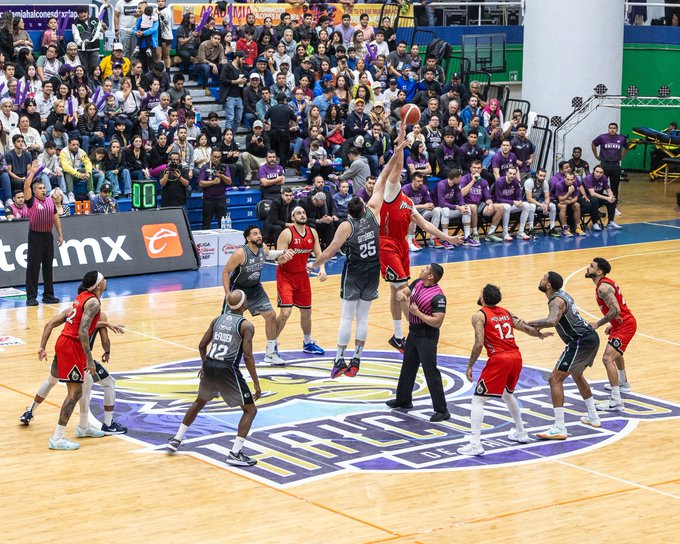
point(426, 315)
point(42, 218)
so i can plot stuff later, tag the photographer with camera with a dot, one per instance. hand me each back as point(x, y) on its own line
point(173, 183)
point(104, 201)
point(213, 180)
point(255, 154)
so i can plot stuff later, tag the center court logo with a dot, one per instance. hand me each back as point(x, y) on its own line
point(162, 241)
point(310, 427)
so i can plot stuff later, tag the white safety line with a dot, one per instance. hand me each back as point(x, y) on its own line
point(661, 225)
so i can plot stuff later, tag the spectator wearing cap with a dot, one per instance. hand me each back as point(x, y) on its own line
point(290, 78)
point(262, 70)
point(232, 81)
point(116, 57)
point(305, 69)
point(358, 123)
point(251, 96)
point(209, 59)
point(380, 115)
point(104, 202)
point(249, 47)
point(407, 83)
point(455, 90)
point(71, 57)
point(48, 64)
point(87, 32)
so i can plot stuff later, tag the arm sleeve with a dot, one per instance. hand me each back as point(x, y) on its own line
point(438, 304)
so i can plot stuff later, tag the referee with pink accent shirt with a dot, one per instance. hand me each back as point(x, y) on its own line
point(42, 218)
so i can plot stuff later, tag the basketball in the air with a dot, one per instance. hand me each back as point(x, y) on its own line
point(410, 114)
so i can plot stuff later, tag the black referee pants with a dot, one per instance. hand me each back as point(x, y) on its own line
point(613, 171)
point(421, 350)
point(40, 253)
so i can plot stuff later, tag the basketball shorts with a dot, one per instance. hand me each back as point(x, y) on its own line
point(360, 282)
point(579, 354)
point(621, 335)
point(71, 360)
point(100, 372)
point(293, 289)
point(258, 301)
point(225, 381)
point(395, 265)
point(500, 374)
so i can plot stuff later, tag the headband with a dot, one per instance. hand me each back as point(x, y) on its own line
point(240, 301)
point(100, 277)
point(297, 209)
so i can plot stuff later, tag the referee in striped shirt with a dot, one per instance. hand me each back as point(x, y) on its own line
point(42, 218)
point(426, 314)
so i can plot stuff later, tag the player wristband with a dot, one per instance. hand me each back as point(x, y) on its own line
point(107, 353)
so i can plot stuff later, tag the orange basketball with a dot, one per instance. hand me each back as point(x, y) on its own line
point(410, 114)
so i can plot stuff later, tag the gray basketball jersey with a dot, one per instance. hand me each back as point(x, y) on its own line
point(362, 244)
point(227, 343)
point(538, 191)
point(571, 326)
point(248, 273)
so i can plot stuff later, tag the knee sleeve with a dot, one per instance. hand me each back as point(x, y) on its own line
point(47, 386)
point(109, 386)
point(347, 313)
point(85, 396)
point(362, 320)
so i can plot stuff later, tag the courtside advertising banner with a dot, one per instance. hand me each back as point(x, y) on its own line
point(119, 244)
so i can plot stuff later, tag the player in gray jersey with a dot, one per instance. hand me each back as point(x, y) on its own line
point(243, 271)
point(582, 343)
point(361, 273)
point(228, 339)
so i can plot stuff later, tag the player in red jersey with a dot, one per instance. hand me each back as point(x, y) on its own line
point(396, 214)
point(494, 329)
point(621, 329)
point(73, 354)
point(292, 281)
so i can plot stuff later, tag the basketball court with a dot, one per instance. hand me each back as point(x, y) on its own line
point(334, 463)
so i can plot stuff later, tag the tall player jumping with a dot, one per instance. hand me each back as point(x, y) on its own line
point(361, 273)
point(621, 329)
point(292, 281)
point(396, 214)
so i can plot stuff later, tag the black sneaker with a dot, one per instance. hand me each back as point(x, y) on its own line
point(114, 428)
point(353, 368)
point(440, 416)
point(27, 417)
point(173, 444)
point(50, 300)
point(31, 302)
point(339, 368)
point(240, 459)
point(397, 343)
point(394, 403)
point(555, 232)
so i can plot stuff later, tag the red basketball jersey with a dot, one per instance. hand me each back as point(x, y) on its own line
point(395, 217)
point(72, 325)
point(302, 246)
point(499, 333)
point(625, 312)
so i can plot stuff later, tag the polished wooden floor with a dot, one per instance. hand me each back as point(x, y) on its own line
point(628, 491)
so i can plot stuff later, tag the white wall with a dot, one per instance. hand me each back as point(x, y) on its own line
point(569, 47)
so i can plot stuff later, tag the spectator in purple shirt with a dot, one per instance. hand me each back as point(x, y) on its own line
point(367, 191)
point(566, 194)
point(523, 149)
point(446, 155)
point(601, 194)
point(272, 177)
point(508, 194)
point(613, 148)
point(450, 204)
point(503, 160)
point(422, 200)
point(346, 30)
point(563, 169)
point(477, 197)
point(418, 161)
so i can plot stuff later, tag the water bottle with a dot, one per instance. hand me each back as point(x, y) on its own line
point(228, 221)
point(223, 223)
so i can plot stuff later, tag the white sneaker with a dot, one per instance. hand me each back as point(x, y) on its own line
point(515, 436)
point(553, 433)
point(91, 432)
point(617, 212)
point(613, 225)
point(521, 235)
point(63, 444)
point(597, 227)
point(623, 387)
point(470, 449)
point(70, 198)
point(610, 406)
point(413, 248)
point(274, 359)
point(587, 420)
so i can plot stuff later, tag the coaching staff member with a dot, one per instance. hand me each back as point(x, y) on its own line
point(42, 218)
point(426, 315)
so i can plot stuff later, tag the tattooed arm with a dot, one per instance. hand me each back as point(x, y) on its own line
point(556, 309)
point(478, 321)
point(90, 310)
point(521, 325)
point(608, 296)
